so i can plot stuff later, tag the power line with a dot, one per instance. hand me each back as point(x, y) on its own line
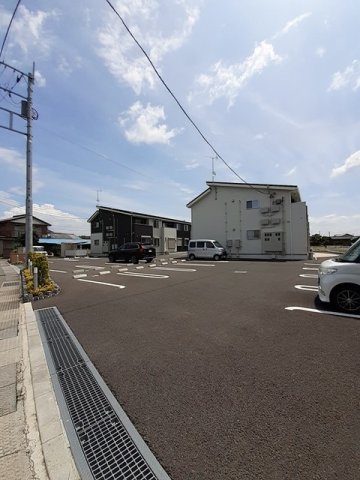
point(8, 28)
point(178, 102)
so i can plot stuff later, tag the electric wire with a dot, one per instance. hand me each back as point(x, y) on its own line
point(178, 102)
point(8, 28)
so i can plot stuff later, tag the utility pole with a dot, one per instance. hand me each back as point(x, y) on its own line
point(29, 114)
point(29, 202)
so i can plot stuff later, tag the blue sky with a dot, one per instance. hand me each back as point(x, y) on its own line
point(274, 86)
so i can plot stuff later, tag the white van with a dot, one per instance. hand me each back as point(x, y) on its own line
point(204, 248)
point(339, 280)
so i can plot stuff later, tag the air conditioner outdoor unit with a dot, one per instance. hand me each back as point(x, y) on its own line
point(265, 221)
point(264, 210)
point(278, 201)
point(275, 209)
point(229, 243)
point(275, 221)
point(237, 243)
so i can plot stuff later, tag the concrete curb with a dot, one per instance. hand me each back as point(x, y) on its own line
point(50, 450)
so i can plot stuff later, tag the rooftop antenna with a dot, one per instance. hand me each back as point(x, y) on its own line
point(97, 197)
point(213, 173)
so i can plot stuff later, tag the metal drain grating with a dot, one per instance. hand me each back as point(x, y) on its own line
point(104, 442)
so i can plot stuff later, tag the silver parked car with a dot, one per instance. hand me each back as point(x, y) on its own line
point(339, 280)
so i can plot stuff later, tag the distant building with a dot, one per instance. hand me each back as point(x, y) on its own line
point(111, 227)
point(252, 221)
point(66, 244)
point(346, 239)
point(12, 232)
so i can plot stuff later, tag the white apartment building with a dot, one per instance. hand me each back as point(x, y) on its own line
point(252, 220)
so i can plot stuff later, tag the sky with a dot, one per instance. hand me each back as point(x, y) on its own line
point(273, 86)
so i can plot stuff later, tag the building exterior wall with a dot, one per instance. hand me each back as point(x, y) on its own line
point(110, 229)
point(12, 230)
point(273, 227)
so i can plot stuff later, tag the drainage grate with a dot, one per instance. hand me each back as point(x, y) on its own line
point(99, 430)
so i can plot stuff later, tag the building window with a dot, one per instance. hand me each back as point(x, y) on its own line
point(96, 242)
point(97, 224)
point(252, 204)
point(141, 221)
point(186, 228)
point(186, 241)
point(156, 223)
point(253, 234)
point(156, 242)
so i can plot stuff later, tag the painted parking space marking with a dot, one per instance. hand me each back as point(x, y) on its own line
point(308, 275)
point(102, 283)
point(308, 288)
point(240, 271)
point(313, 264)
point(58, 271)
point(176, 269)
point(142, 275)
point(310, 268)
point(324, 312)
point(91, 267)
point(199, 264)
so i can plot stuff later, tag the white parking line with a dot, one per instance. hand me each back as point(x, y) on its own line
point(143, 275)
point(199, 264)
point(102, 283)
point(313, 264)
point(91, 267)
point(308, 288)
point(58, 271)
point(240, 271)
point(324, 312)
point(308, 275)
point(309, 268)
point(176, 269)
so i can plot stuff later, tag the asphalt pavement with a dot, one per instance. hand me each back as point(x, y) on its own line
point(222, 381)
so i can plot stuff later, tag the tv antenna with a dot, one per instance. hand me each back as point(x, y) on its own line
point(98, 197)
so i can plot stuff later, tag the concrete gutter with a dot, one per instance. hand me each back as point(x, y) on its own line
point(49, 448)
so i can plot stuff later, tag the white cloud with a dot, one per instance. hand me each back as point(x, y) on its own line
point(335, 224)
point(292, 24)
point(66, 68)
point(351, 162)
point(320, 52)
point(192, 165)
point(145, 126)
point(227, 81)
point(40, 80)
point(12, 158)
point(28, 29)
point(350, 77)
point(290, 172)
point(259, 136)
point(119, 52)
point(16, 162)
point(60, 221)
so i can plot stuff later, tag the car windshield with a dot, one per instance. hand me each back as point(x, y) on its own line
point(352, 255)
point(217, 244)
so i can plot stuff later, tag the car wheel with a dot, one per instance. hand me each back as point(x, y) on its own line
point(216, 257)
point(112, 259)
point(149, 260)
point(347, 298)
point(191, 256)
point(134, 259)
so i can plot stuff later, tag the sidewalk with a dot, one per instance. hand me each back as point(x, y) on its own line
point(33, 444)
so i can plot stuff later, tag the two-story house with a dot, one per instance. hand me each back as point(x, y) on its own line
point(111, 227)
point(252, 220)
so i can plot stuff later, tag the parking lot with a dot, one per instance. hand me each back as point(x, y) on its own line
point(229, 370)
